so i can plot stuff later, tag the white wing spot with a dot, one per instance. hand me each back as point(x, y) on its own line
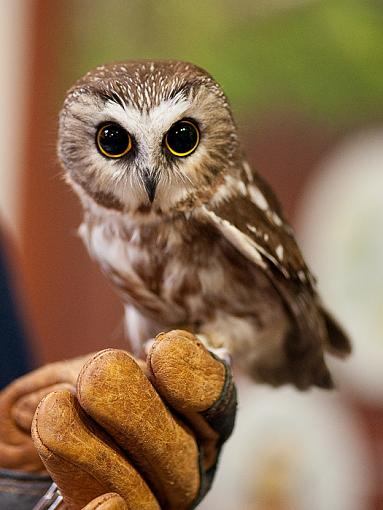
point(279, 251)
point(242, 187)
point(247, 169)
point(276, 219)
point(247, 246)
point(302, 276)
point(240, 240)
point(257, 197)
point(252, 228)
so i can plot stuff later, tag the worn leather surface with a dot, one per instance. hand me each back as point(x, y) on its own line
point(191, 380)
point(82, 460)
point(161, 447)
point(110, 501)
point(149, 436)
point(18, 402)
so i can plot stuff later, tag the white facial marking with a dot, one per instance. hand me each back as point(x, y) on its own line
point(144, 125)
point(124, 181)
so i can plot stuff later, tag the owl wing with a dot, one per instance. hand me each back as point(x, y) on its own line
point(250, 218)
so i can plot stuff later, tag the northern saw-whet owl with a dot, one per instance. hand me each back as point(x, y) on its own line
point(189, 234)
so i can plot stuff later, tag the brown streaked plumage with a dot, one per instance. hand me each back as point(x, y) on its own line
point(199, 241)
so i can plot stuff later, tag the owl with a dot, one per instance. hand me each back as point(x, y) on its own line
point(189, 234)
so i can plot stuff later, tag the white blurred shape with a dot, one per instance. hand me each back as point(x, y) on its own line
point(341, 220)
point(292, 451)
point(14, 59)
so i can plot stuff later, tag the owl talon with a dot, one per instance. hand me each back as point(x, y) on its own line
point(148, 345)
point(223, 354)
point(220, 352)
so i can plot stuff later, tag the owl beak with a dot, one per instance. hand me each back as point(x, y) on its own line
point(150, 183)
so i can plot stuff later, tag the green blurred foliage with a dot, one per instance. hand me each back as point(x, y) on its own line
point(323, 59)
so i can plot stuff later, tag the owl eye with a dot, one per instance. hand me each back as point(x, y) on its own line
point(113, 141)
point(182, 138)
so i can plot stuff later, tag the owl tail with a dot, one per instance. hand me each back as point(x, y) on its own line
point(337, 342)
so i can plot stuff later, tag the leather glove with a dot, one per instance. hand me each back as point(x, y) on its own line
point(18, 402)
point(135, 437)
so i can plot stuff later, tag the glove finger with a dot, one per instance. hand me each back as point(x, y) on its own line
point(16, 448)
point(114, 391)
point(25, 407)
point(197, 384)
point(82, 459)
point(110, 501)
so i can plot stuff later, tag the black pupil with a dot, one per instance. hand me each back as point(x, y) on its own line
point(113, 139)
point(182, 137)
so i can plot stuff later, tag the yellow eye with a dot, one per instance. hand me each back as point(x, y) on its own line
point(113, 141)
point(182, 138)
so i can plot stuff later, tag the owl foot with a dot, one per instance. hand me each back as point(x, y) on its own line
point(219, 352)
point(148, 345)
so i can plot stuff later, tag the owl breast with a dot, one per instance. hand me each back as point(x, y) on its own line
point(181, 273)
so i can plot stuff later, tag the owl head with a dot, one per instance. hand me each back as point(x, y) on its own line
point(147, 136)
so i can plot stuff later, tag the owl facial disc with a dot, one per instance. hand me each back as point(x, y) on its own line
point(147, 137)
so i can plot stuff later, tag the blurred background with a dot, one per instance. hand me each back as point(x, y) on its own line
point(305, 79)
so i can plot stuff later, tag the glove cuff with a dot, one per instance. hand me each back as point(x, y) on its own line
point(221, 417)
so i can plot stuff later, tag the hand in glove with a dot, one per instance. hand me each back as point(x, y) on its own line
point(18, 402)
point(150, 435)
